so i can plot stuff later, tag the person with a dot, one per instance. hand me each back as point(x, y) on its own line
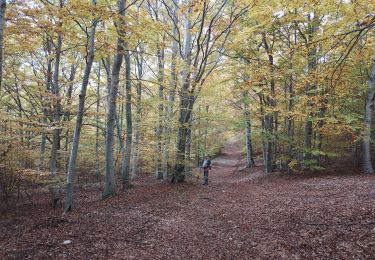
point(206, 165)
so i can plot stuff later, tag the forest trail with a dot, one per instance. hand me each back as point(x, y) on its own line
point(229, 163)
point(226, 163)
point(238, 216)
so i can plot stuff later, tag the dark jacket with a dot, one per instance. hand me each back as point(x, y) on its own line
point(207, 166)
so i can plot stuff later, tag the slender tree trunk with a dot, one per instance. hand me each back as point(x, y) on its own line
point(267, 126)
point(290, 95)
point(120, 113)
point(312, 51)
point(3, 5)
point(206, 133)
point(159, 129)
point(125, 170)
point(134, 164)
point(81, 108)
point(268, 143)
point(198, 145)
point(110, 185)
point(67, 113)
point(171, 95)
point(138, 114)
point(249, 147)
point(319, 136)
point(120, 127)
point(57, 103)
point(290, 127)
point(48, 83)
point(367, 166)
point(43, 141)
point(290, 121)
point(307, 138)
point(275, 140)
point(270, 118)
point(97, 164)
point(54, 190)
point(266, 120)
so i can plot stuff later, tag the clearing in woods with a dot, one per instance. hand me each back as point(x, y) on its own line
point(240, 215)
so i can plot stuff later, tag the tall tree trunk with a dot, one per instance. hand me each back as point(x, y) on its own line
point(270, 117)
point(97, 164)
point(205, 133)
point(319, 135)
point(266, 120)
point(290, 129)
point(159, 129)
point(3, 5)
point(184, 112)
point(249, 147)
point(67, 113)
point(125, 170)
point(107, 65)
point(53, 189)
point(312, 52)
point(110, 185)
point(80, 111)
point(57, 102)
point(289, 89)
point(135, 146)
point(367, 166)
point(290, 121)
point(48, 83)
point(171, 94)
point(198, 140)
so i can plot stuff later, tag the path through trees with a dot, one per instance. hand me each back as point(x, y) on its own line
point(237, 216)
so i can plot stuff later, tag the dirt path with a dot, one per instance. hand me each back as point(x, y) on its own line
point(228, 166)
point(238, 216)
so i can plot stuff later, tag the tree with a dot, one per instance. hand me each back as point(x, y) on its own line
point(110, 185)
point(367, 164)
point(77, 131)
point(200, 59)
point(172, 90)
point(125, 171)
point(56, 102)
point(3, 6)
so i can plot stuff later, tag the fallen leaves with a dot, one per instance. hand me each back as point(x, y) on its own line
point(238, 216)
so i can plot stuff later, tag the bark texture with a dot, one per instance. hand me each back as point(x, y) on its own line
point(110, 185)
point(125, 170)
point(368, 118)
point(3, 6)
point(80, 111)
point(184, 108)
point(57, 102)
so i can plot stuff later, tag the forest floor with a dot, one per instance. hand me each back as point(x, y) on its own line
point(240, 215)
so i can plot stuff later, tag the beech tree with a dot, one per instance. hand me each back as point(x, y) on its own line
point(3, 5)
point(201, 54)
point(110, 185)
point(77, 131)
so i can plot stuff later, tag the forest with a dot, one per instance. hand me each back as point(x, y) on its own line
point(109, 108)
